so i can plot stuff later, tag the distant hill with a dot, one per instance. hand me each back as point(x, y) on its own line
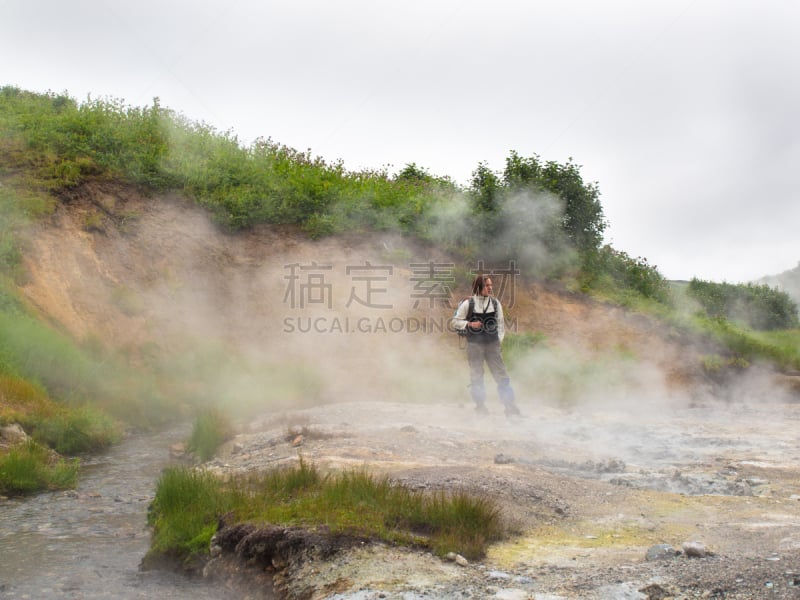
point(788, 281)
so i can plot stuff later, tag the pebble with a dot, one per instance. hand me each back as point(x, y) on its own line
point(694, 549)
point(512, 594)
point(498, 575)
point(503, 459)
point(660, 552)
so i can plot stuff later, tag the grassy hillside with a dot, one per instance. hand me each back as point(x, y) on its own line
point(542, 214)
point(75, 396)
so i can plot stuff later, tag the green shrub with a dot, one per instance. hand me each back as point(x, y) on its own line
point(614, 273)
point(758, 306)
point(66, 143)
point(583, 221)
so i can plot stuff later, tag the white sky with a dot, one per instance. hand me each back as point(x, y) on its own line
point(684, 112)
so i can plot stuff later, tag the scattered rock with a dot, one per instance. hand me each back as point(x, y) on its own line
point(756, 481)
point(502, 459)
point(661, 552)
point(177, 450)
point(512, 594)
point(694, 549)
point(613, 465)
point(214, 549)
point(13, 434)
point(655, 591)
point(498, 575)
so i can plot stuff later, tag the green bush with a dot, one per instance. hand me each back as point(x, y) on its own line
point(614, 273)
point(757, 306)
point(583, 221)
point(533, 209)
point(67, 142)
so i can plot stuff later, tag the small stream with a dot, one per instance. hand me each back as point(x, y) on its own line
point(88, 543)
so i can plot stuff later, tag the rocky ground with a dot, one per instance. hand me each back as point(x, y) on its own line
point(691, 502)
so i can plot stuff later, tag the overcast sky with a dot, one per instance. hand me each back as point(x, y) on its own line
point(684, 112)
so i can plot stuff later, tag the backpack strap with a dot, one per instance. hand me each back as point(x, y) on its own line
point(471, 310)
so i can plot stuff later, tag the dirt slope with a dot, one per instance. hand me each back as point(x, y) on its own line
point(622, 445)
point(115, 265)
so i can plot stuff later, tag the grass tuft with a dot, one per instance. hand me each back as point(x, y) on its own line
point(189, 503)
point(184, 512)
point(211, 428)
point(30, 467)
point(76, 430)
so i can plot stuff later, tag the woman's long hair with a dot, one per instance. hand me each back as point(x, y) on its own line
point(478, 284)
